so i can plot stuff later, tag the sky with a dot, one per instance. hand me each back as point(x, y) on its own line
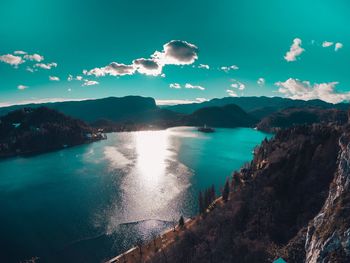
point(174, 51)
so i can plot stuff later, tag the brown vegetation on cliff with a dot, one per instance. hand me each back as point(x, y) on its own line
point(279, 192)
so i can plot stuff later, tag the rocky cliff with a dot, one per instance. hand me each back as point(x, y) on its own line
point(328, 234)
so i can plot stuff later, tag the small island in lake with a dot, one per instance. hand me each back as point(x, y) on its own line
point(206, 129)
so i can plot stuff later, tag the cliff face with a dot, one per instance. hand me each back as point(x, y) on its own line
point(292, 201)
point(328, 234)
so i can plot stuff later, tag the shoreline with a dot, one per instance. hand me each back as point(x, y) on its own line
point(29, 154)
point(35, 153)
point(163, 240)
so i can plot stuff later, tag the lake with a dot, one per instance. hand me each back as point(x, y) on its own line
point(91, 202)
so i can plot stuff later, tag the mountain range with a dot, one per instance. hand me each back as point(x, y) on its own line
point(258, 107)
point(136, 112)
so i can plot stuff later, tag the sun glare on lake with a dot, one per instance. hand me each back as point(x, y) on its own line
point(151, 148)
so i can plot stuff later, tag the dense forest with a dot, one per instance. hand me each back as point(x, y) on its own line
point(272, 204)
point(29, 131)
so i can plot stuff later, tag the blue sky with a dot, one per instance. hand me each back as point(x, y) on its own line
point(192, 50)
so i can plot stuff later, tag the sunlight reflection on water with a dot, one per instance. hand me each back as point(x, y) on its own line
point(152, 153)
point(154, 181)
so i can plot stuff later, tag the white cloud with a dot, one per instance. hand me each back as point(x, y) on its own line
point(175, 102)
point(19, 52)
point(190, 86)
point(295, 50)
point(54, 78)
point(46, 66)
point(304, 90)
point(12, 60)
point(34, 57)
point(228, 68)
point(241, 86)
point(327, 44)
point(261, 81)
point(148, 66)
point(204, 66)
point(175, 86)
point(113, 69)
point(30, 69)
point(187, 86)
point(338, 46)
point(70, 77)
point(176, 52)
point(237, 85)
point(22, 87)
point(201, 99)
point(231, 93)
point(90, 82)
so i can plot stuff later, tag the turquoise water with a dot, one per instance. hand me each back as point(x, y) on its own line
point(91, 202)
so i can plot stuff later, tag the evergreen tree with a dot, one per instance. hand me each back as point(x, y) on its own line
point(226, 191)
point(181, 222)
point(213, 195)
point(236, 181)
point(201, 204)
point(206, 199)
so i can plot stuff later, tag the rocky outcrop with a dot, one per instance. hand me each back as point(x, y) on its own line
point(328, 235)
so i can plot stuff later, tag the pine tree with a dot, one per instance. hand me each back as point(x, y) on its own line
point(226, 191)
point(236, 181)
point(181, 222)
point(213, 195)
point(201, 204)
point(206, 199)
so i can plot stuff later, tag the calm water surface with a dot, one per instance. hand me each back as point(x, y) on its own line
point(91, 202)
